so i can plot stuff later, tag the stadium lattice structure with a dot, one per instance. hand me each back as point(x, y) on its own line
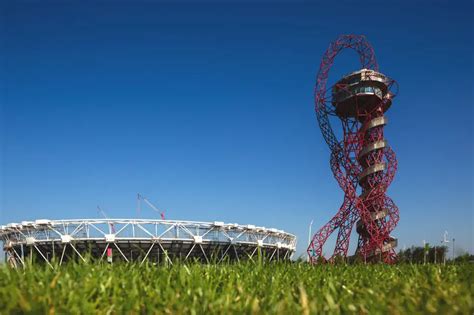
point(141, 240)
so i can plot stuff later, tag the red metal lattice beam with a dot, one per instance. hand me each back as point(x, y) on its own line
point(374, 241)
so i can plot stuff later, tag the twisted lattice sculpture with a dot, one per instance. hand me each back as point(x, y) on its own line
point(362, 162)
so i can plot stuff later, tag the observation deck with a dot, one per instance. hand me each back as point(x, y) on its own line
point(361, 92)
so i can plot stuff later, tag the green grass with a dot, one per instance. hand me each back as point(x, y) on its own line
point(238, 289)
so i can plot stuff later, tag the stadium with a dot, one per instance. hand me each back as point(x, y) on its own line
point(141, 240)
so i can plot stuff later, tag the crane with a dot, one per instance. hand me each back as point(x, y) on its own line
point(151, 205)
point(111, 225)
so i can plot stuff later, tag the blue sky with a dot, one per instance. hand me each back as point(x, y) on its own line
point(207, 109)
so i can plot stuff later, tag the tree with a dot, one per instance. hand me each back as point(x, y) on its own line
point(465, 258)
point(416, 254)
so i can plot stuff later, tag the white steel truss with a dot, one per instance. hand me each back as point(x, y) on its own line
point(141, 240)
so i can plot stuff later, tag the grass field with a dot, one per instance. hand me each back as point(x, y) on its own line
point(238, 289)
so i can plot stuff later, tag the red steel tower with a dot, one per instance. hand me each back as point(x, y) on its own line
point(362, 162)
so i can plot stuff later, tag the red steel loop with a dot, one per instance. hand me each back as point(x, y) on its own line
point(370, 173)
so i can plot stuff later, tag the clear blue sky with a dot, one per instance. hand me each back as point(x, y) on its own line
point(207, 109)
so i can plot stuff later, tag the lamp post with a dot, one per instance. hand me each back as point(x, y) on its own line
point(453, 248)
point(309, 235)
point(445, 241)
point(424, 252)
